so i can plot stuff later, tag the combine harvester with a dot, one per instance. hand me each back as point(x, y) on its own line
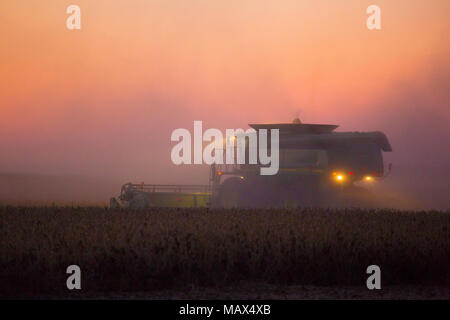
point(317, 167)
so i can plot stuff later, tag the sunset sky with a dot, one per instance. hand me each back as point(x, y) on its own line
point(103, 100)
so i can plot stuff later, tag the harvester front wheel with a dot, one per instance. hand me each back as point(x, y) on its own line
point(139, 201)
point(231, 193)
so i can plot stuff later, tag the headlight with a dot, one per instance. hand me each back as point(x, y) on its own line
point(339, 177)
point(368, 178)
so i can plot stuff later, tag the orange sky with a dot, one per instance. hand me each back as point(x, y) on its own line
point(104, 99)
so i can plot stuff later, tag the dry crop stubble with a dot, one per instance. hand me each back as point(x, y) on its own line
point(144, 250)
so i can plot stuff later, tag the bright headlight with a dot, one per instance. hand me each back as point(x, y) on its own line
point(338, 177)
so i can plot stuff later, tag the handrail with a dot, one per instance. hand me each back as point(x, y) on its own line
point(168, 188)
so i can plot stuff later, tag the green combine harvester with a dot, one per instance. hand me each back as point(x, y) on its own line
point(316, 167)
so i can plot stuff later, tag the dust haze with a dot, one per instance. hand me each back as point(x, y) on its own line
point(81, 114)
point(91, 167)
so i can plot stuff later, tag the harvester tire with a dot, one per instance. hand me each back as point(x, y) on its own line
point(139, 201)
point(231, 193)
